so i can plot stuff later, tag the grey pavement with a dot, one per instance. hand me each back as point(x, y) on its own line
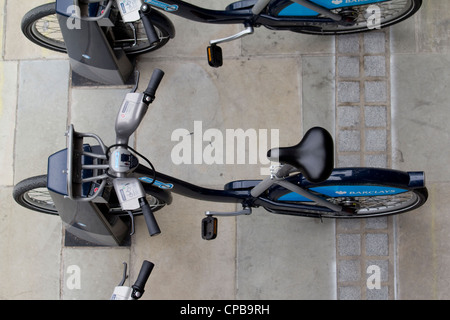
point(383, 95)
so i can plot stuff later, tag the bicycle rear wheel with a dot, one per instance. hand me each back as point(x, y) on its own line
point(381, 205)
point(392, 12)
point(40, 25)
point(361, 206)
point(365, 192)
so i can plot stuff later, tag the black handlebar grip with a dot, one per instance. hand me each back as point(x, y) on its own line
point(154, 82)
point(150, 220)
point(148, 25)
point(142, 278)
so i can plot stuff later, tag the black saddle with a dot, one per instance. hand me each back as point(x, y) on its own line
point(313, 156)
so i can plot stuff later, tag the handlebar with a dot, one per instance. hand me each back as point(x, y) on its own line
point(117, 161)
point(144, 13)
point(150, 219)
point(153, 84)
point(139, 285)
point(136, 291)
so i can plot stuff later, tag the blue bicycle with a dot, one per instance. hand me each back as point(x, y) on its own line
point(132, 25)
point(95, 188)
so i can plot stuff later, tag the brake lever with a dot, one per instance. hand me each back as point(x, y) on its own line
point(132, 222)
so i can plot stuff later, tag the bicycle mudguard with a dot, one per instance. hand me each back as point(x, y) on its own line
point(286, 8)
point(353, 182)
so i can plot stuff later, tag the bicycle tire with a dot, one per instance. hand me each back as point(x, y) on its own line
point(26, 194)
point(32, 193)
point(418, 198)
point(411, 9)
point(47, 14)
point(367, 192)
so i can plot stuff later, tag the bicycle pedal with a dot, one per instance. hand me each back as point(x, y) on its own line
point(209, 228)
point(215, 58)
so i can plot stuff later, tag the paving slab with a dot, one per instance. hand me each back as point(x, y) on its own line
point(95, 110)
point(221, 100)
point(421, 103)
point(285, 257)
point(17, 46)
point(8, 100)
point(92, 273)
point(420, 115)
point(186, 266)
point(41, 115)
point(318, 92)
point(30, 252)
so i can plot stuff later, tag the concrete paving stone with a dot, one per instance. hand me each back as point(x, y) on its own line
point(30, 252)
point(92, 273)
point(348, 66)
point(8, 103)
point(349, 244)
point(285, 257)
point(17, 46)
point(41, 115)
point(348, 44)
point(377, 244)
point(377, 223)
point(375, 116)
point(349, 293)
point(348, 91)
point(378, 294)
point(376, 160)
point(2, 31)
point(349, 270)
point(193, 92)
point(348, 160)
point(375, 66)
point(383, 265)
point(432, 27)
point(348, 116)
point(403, 36)
point(376, 140)
point(375, 91)
point(374, 42)
point(349, 140)
point(95, 110)
point(318, 92)
point(420, 114)
point(268, 42)
point(343, 225)
point(424, 247)
point(186, 266)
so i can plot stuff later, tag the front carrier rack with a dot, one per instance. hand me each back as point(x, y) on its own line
point(84, 166)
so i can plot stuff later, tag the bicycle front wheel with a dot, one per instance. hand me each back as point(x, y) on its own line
point(40, 25)
point(32, 193)
point(390, 13)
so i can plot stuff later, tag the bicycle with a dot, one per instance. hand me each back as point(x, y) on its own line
point(93, 186)
point(131, 27)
